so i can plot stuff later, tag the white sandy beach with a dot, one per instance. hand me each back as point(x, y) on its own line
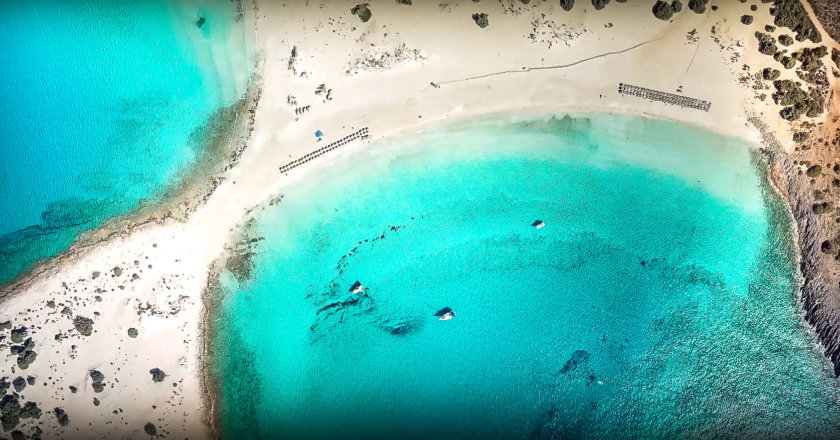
point(623, 43)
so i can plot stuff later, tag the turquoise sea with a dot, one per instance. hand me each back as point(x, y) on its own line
point(100, 101)
point(658, 301)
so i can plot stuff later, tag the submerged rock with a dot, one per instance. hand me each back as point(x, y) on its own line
point(200, 22)
point(567, 5)
point(132, 332)
point(150, 429)
point(4, 385)
point(83, 325)
point(578, 358)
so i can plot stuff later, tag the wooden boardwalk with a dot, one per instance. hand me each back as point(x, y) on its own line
point(668, 98)
point(358, 135)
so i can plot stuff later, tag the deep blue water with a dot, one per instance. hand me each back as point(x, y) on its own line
point(659, 300)
point(99, 101)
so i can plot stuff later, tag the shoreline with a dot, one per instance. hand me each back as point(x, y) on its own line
point(398, 101)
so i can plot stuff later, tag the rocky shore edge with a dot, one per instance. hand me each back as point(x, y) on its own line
point(817, 285)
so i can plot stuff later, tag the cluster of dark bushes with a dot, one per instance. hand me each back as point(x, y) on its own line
point(797, 101)
point(664, 10)
point(363, 11)
point(811, 57)
point(766, 43)
point(791, 14)
point(698, 6)
point(770, 74)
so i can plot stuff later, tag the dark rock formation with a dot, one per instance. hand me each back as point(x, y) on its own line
point(132, 332)
point(95, 401)
point(578, 358)
point(567, 5)
point(404, 2)
point(150, 429)
point(4, 385)
point(83, 325)
point(157, 375)
point(481, 19)
point(200, 22)
point(747, 19)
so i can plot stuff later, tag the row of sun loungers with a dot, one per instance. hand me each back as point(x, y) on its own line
point(359, 135)
point(668, 98)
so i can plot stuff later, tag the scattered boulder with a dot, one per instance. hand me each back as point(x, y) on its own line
point(567, 5)
point(61, 416)
point(482, 20)
point(4, 385)
point(132, 332)
point(747, 19)
point(200, 22)
point(662, 10)
point(6, 325)
point(95, 401)
point(150, 429)
point(73, 389)
point(362, 11)
point(404, 2)
point(814, 171)
point(83, 325)
point(30, 380)
point(18, 435)
point(785, 40)
point(157, 375)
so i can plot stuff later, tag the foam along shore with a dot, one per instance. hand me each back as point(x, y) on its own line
point(389, 74)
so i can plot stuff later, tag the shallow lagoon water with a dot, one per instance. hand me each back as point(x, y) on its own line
point(658, 301)
point(101, 102)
